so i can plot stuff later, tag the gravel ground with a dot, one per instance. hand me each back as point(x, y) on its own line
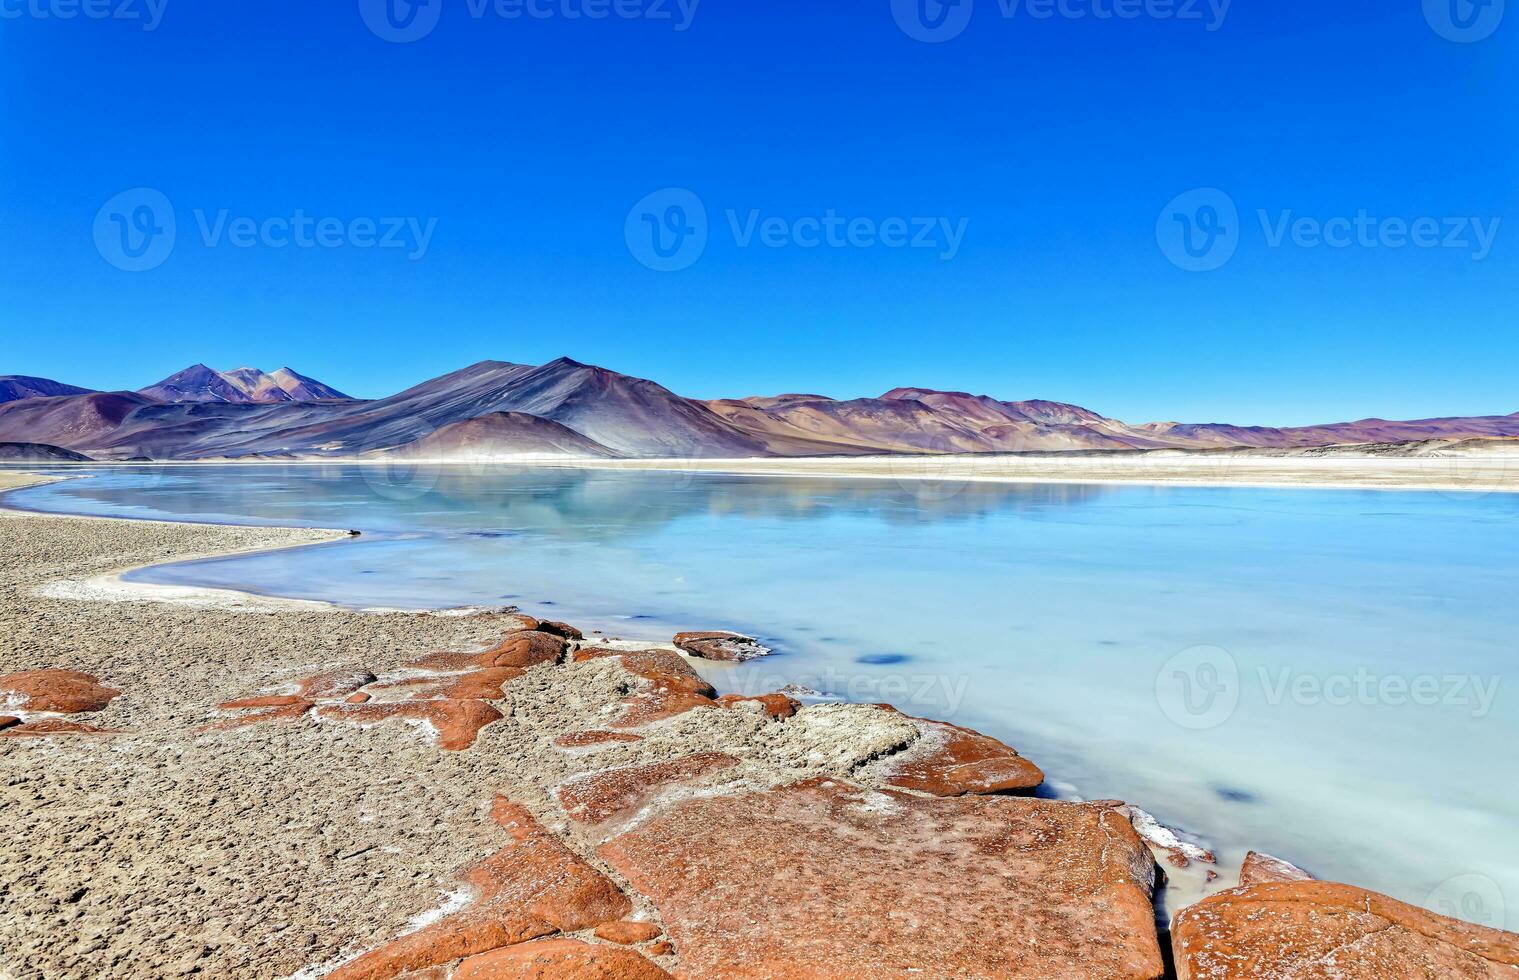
point(274, 849)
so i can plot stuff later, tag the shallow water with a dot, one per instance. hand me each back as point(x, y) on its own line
point(1322, 675)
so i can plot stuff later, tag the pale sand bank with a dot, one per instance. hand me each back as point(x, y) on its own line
point(940, 474)
point(1459, 472)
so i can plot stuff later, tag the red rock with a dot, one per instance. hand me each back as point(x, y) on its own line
point(289, 712)
point(410, 685)
point(1259, 868)
point(559, 959)
point(54, 726)
point(68, 692)
point(627, 932)
point(533, 887)
point(449, 661)
point(662, 948)
point(827, 879)
point(484, 684)
point(1315, 930)
point(337, 683)
point(777, 706)
point(358, 697)
point(673, 688)
point(721, 645)
point(561, 629)
point(525, 648)
point(580, 740)
point(458, 723)
point(600, 796)
point(516, 622)
point(7, 721)
point(267, 701)
point(952, 761)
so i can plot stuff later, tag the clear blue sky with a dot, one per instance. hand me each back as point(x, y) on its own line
point(1059, 142)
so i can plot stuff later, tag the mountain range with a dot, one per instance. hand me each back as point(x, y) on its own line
point(199, 383)
point(497, 409)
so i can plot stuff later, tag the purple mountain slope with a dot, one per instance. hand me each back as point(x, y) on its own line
point(14, 387)
point(244, 386)
point(586, 410)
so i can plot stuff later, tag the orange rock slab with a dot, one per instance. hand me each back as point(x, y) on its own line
point(720, 645)
point(523, 648)
point(337, 683)
point(953, 761)
point(628, 932)
point(594, 737)
point(600, 796)
point(778, 706)
point(263, 701)
point(483, 684)
point(1316, 930)
point(826, 879)
point(560, 629)
point(673, 688)
point(68, 692)
point(53, 726)
point(533, 887)
point(280, 712)
point(458, 723)
point(1260, 868)
point(559, 959)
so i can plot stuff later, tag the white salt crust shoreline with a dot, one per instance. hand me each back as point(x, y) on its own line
point(1457, 473)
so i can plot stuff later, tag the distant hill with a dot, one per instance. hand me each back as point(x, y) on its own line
point(14, 387)
point(31, 452)
point(244, 386)
point(502, 435)
point(582, 409)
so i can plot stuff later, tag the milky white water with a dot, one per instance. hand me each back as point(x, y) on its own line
point(1323, 675)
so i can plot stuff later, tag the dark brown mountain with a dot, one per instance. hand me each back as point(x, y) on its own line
point(31, 452)
point(501, 435)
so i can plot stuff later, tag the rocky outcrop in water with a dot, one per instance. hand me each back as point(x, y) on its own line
point(1316, 930)
point(721, 645)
